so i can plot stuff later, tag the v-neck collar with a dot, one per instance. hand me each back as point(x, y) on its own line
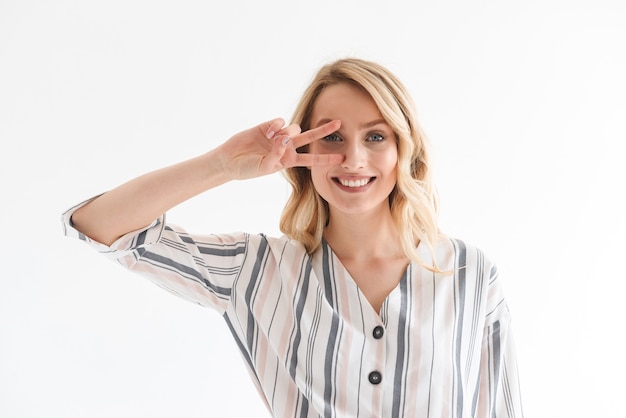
point(331, 264)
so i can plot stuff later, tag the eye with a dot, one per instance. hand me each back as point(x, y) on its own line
point(376, 137)
point(332, 138)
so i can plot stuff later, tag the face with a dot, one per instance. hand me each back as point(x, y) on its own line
point(363, 181)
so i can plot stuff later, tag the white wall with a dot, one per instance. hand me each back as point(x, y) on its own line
point(523, 103)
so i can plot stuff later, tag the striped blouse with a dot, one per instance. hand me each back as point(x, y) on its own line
point(441, 345)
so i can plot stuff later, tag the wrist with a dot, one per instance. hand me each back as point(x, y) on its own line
point(216, 167)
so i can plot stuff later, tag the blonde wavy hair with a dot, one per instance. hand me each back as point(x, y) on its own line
point(413, 201)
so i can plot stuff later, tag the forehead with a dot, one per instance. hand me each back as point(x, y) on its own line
point(346, 102)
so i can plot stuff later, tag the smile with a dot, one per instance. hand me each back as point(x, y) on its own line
point(354, 183)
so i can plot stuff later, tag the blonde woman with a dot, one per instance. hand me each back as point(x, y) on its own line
point(363, 308)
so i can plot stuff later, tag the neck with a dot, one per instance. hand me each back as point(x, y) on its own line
point(362, 237)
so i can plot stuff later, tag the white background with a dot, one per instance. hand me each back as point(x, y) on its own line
point(525, 106)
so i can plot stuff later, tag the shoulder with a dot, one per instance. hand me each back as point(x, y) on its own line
point(474, 273)
point(469, 251)
point(459, 255)
point(474, 266)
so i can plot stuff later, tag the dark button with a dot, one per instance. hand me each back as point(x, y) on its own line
point(375, 377)
point(378, 332)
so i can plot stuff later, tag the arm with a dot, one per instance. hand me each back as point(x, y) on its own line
point(258, 151)
point(499, 385)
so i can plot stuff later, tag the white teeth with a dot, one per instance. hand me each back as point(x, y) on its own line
point(354, 183)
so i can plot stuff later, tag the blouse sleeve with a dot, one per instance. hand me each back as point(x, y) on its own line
point(499, 386)
point(200, 269)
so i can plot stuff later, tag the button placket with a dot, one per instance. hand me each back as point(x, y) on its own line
point(375, 376)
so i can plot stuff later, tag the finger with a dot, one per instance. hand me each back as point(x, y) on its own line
point(273, 161)
point(270, 128)
point(310, 160)
point(316, 133)
point(291, 130)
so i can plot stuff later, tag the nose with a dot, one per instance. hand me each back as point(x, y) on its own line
point(355, 155)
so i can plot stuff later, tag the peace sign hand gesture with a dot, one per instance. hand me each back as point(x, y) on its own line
point(270, 147)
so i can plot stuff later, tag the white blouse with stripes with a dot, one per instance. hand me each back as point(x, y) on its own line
point(441, 345)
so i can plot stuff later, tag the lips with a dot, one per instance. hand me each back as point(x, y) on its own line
point(354, 182)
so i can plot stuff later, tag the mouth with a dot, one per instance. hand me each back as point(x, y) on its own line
point(354, 183)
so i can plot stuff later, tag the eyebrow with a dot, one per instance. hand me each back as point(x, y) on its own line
point(364, 126)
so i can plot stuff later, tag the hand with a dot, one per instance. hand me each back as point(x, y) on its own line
point(270, 147)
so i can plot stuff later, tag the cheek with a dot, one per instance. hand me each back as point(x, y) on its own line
point(390, 161)
point(320, 184)
point(317, 177)
point(391, 170)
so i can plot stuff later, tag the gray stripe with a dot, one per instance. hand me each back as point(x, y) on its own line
point(183, 270)
point(329, 366)
point(401, 344)
point(304, 409)
point(141, 238)
point(461, 281)
point(222, 252)
point(304, 289)
point(495, 342)
point(493, 274)
point(330, 359)
point(328, 278)
point(257, 270)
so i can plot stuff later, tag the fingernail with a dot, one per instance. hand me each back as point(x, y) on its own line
point(270, 134)
point(285, 140)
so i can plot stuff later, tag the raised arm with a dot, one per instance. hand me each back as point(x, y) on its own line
point(258, 151)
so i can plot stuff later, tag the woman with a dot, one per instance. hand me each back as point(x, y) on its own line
point(363, 308)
